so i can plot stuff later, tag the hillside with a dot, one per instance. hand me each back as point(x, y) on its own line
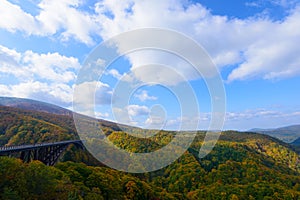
point(29, 104)
point(287, 134)
point(243, 165)
point(42, 107)
point(296, 142)
point(18, 127)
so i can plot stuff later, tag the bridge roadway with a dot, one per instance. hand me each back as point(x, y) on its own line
point(47, 153)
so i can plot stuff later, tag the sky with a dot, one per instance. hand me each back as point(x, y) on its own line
point(254, 44)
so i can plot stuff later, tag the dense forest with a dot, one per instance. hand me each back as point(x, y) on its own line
point(241, 166)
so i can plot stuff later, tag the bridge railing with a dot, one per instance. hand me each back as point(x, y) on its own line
point(20, 147)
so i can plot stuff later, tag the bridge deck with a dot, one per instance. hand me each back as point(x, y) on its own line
point(5, 149)
point(47, 153)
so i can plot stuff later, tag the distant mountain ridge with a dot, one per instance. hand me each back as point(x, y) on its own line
point(296, 142)
point(287, 134)
point(29, 104)
point(260, 129)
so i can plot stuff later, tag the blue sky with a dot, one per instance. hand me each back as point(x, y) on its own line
point(253, 43)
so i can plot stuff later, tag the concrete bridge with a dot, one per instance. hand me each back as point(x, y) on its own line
point(48, 153)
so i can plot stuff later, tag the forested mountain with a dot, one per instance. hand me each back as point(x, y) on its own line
point(42, 107)
point(296, 142)
point(29, 104)
point(241, 166)
point(287, 134)
point(18, 127)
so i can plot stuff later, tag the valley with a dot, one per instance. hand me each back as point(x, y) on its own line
point(243, 165)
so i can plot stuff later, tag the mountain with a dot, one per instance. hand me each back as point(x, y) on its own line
point(242, 165)
point(19, 126)
point(257, 130)
point(287, 134)
point(296, 142)
point(33, 105)
point(29, 104)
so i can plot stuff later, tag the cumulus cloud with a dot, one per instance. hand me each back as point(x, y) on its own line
point(28, 65)
point(137, 110)
point(273, 55)
point(155, 122)
point(132, 114)
point(46, 77)
point(56, 93)
point(93, 93)
point(51, 66)
point(115, 73)
point(88, 95)
point(13, 18)
point(101, 115)
point(66, 16)
point(144, 96)
point(57, 16)
point(257, 46)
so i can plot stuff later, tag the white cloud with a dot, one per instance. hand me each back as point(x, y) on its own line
point(189, 122)
point(88, 96)
point(90, 93)
point(281, 3)
point(65, 15)
point(14, 18)
point(250, 114)
point(137, 110)
point(284, 3)
point(10, 63)
point(55, 93)
point(131, 114)
point(51, 66)
point(259, 46)
point(259, 114)
point(47, 77)
point(243, 120)
point(29, 65)
point(260, 118)
point(144, 96)
point(275, 55)
point(121, 115)
point(155, 122)
point(114, 73)
point(101, 115)
point(172, 69)
point(56, 16)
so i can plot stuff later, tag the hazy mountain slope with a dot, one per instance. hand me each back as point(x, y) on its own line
point(29, 104)
point(296, 142)
point(33, 105)
point(287, 134)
